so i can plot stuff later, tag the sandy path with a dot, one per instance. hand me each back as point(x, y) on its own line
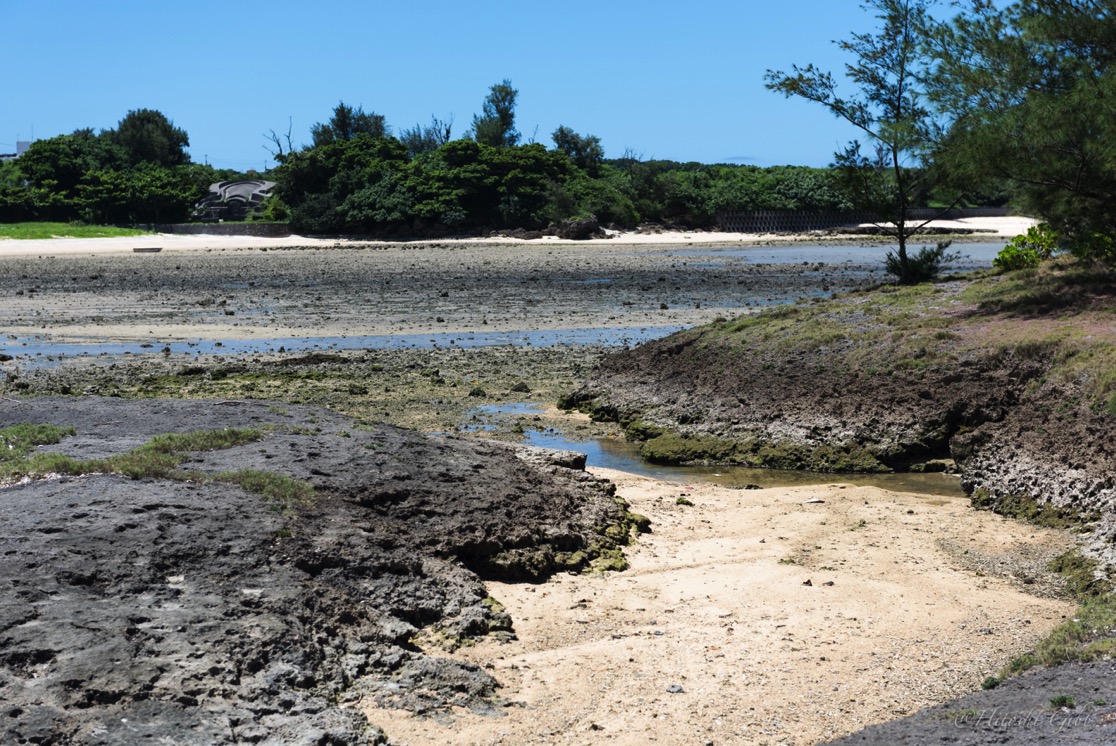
point(716, 603)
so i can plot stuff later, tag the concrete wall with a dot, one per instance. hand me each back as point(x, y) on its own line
point(258, 230)
point(801, 221)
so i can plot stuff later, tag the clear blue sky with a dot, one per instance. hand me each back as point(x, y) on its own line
point(677, 80)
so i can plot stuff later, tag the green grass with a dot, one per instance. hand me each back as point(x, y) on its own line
point(282, 492)
point(159, 458)
point(19, 440)
point(1091, 634)
point(25, 231)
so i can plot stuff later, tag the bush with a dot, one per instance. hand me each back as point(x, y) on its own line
point(922, 267)
point(1025, 251)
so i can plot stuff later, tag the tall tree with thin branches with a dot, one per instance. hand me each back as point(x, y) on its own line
point(890, 107)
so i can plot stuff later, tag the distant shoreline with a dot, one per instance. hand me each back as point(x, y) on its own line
point(993, 228)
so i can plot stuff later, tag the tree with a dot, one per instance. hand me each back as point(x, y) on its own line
point(54, 169)
point(346, 123)
point(1031, 89)
point(343, 185)
point(147, 136)
point(496, 126)
point(584, 150)
point(420, 139)
point(146, 193)
point(891, 108)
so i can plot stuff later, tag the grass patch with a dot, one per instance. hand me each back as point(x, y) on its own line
point(1087, 637)
point(283, 492)
point(159, 458)
point(1091, 634)
point(1062, 701)
point(24, 231)
point(19, 440)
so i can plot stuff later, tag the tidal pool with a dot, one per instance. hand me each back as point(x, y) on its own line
point(612, 453)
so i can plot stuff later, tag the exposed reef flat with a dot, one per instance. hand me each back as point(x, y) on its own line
point(192, 609)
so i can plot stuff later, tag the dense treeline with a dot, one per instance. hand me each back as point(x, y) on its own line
point(373, 185)
point(358, 178)
point(138, 172)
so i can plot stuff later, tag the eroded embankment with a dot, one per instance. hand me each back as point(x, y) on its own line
point(241, 591)
point(1010, 376)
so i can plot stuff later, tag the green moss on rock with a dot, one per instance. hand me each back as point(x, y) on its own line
point(676, 448)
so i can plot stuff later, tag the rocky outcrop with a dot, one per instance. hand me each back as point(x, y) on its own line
point(134, 610)
point(1013, 431)
point(577, 229)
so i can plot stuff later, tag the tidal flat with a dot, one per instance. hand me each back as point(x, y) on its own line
point(822, 607)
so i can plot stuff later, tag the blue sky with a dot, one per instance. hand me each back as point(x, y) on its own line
point(673, 80)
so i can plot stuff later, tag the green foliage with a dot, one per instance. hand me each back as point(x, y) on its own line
point(276, 210)
point(467, 183)
point(348, 123)
point(147, 136)
point(336, 187)
point(425, 139)
point(1031, 87)
point(146, 193)
point(495, 127)
point(137, 173)
point(923, 266)
point(891, 108)
point(584, 150)
point(1027, 250)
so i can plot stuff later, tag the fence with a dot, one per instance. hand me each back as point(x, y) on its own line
point(801, 221)
point(256, 230)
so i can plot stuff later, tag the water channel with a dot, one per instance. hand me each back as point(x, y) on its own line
point(613, 453)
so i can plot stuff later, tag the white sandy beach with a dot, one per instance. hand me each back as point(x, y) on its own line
point(990, 227)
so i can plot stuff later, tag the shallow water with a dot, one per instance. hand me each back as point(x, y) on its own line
point(34, 348)
point(611, 453)
point(973, 255)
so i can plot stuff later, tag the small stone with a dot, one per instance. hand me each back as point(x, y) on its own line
point(675, 689)
point(807, 582)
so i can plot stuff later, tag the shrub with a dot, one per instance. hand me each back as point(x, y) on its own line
point(1026, 250)
point(921, 267)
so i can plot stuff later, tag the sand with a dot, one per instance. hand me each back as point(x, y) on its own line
point(779, 616)
point(989, 227)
